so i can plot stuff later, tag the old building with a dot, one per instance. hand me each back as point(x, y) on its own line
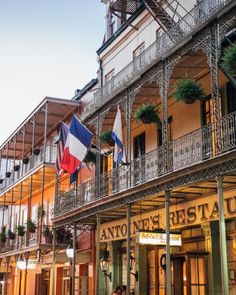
point(165, 217)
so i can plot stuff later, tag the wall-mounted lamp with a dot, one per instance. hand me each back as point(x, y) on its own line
point(132, 266)
point(104, 263)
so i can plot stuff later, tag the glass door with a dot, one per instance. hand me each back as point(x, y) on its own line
point(189, 273)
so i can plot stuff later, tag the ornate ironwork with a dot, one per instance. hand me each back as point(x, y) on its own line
point(163, 46)
point(183, 152)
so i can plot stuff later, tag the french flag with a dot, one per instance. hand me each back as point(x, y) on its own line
point(76, 147)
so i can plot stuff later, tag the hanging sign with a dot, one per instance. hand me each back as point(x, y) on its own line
point(158, 239)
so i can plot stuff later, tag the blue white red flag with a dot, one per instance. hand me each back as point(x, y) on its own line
point(116, 135)
point(76, 147)
point(63, 132)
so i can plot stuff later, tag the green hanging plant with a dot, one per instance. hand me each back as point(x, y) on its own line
point(147, 114)
point(31, 226)
point(11, 235)
point(20, 230)
point(3, 236)
point(106, 137)
point(41, 212)
point(229, 60)
point(188, 91)
point(90, 157)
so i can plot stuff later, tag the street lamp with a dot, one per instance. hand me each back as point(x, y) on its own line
point(104, 263)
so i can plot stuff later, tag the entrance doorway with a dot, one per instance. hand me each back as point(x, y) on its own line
point(189, 273)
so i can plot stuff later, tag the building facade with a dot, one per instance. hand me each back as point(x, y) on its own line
point(179, 175)
point(162, 221)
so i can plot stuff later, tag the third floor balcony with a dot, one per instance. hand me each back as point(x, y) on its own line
point(32, 145)
point(168, 42)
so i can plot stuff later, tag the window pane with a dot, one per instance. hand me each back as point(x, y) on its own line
point(194, 271)
point(201, 267)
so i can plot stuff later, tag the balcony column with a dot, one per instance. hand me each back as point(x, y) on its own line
point(45, 130)
point(29, 208)
point(168, 262)
point(4, 207)
point(97, 276)
point(42, 207)
point(98, 126)
point(223, 241)
point(164, 85)
point(10, 221)
point(14, 160)
point(74, 257)
point(53, 261)
point(23, 149)
point(128, 111)
point(213, 61)
point(128, 246)
point(6, 170)
point(19, 218)
point(26, 272)
point(8, 258)
point(33, 133)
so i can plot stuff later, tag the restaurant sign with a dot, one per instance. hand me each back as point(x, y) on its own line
point(157, 239)
point(189, 213)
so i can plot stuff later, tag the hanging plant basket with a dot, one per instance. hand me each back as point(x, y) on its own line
point(229, 60)
point(11, 235)
point(63, 236)
point(20, 230)
point(16, 167)
point(31, 226)
point(25, 161)
point(188, 91)
point(36, 152)
point(147, 114)
point(90, 158)
point(3, 236)
point(47, 233)
point(8, 174)
point(106, 138)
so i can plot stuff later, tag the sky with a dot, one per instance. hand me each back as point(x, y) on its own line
point(47, 48)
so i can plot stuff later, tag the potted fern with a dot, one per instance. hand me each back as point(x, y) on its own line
point(106, 137)
point(229, 60)
point(3, 236)
point(47, 233)
point(16, 167)
point(147, 114)
point(63, 235)
point(90, 157)
point(20, 230)
point(36, 151)
point(31, 226)
point(188, 91)
point(11, 235)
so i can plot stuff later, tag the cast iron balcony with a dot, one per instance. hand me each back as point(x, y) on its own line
point(188, 150)
point(33, 162)
point(197, 17)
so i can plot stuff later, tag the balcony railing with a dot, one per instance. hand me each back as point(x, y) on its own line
point(29, 239)
point(188, 150)
point(34, 161)
point(199, 15)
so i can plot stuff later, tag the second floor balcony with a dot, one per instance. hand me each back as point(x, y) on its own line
point(191, 149)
